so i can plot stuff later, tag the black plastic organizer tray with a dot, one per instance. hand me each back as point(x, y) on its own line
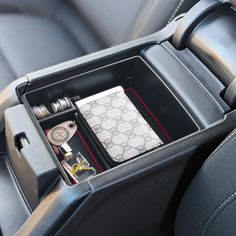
point(149, 94)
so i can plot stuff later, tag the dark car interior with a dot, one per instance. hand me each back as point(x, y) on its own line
point(117, 117)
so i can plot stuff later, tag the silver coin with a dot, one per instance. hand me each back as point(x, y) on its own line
point(47, 111)
point(34, 108)
point(60, 104)
point(44, 111)
point(41, 111)
point(55, 107)
point(68, 102)
point(63, 104)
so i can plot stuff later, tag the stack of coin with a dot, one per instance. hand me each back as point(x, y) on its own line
point(60, 105)
point(41, 111)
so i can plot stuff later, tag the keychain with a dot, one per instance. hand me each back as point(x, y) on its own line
point(62, 133)
point(77, 167)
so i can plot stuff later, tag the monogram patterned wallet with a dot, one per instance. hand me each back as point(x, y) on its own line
point(118, 125)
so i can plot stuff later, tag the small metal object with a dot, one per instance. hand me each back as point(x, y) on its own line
point(66, 148)
point(41, 111)
point(61, 104)
point(67, 156)
point(66, 151)
point(62, 133)
point(55, 107)
point(67, 102)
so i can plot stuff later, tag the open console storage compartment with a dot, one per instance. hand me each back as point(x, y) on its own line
point(174, 97)
point(156, 103)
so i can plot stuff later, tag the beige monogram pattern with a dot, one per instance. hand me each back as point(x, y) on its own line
point(119, 126)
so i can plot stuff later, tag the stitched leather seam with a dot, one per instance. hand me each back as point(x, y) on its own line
point(217, 211)
point(175, 11)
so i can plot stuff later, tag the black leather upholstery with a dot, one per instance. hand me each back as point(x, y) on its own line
point(209, 207)
point(39, 33)
point(116, 22)
point(22, 42)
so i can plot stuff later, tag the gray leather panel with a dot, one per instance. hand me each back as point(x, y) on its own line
point(7, 75)
point(30, 43)
point(78, 28)
point(157, 14)
point(35, 34)
point(111, 20)
point(119, 21)
point(208, 207)
point(39, 7)
point(61, 12)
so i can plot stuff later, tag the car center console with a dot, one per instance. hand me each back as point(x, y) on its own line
point(179, 82)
